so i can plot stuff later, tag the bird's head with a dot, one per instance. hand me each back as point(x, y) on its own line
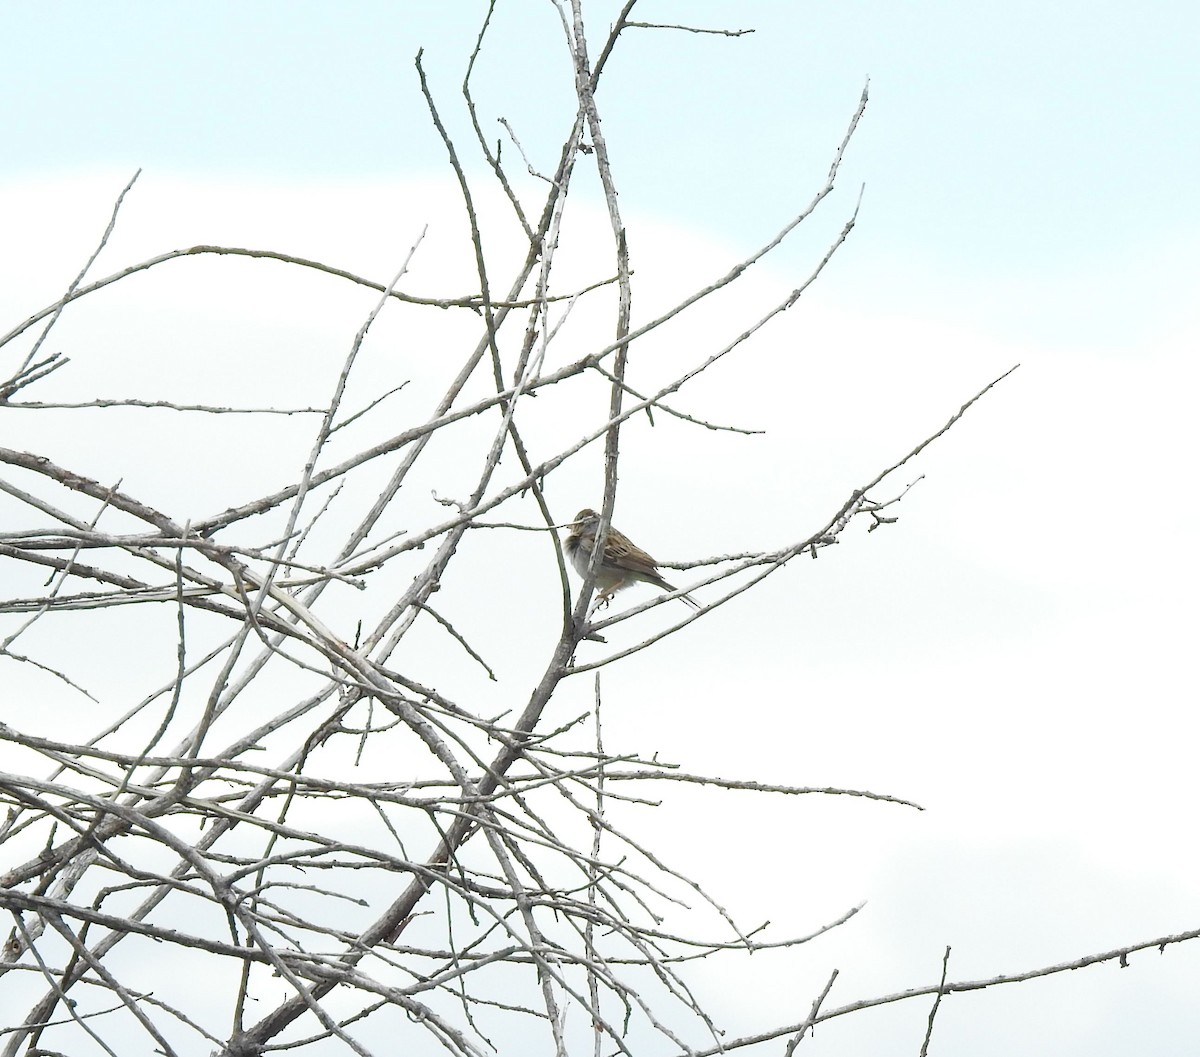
point(586, 517)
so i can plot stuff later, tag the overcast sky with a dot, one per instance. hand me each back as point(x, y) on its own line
point(1015, 654)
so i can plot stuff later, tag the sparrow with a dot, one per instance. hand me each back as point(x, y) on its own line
point(622, 564)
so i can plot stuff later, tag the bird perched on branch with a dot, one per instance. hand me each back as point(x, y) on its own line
point(622, 564)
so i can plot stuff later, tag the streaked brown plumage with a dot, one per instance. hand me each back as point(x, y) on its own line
point(623, 562)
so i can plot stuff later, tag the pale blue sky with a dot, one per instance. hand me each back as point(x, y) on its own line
point(999, 133)
point(1015, 654)
point(1008, 146)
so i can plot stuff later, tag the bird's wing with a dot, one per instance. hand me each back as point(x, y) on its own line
point(624, 554)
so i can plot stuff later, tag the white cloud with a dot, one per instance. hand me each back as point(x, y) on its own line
point(1014, 653)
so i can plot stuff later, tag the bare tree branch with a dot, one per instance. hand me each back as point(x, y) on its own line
point(334, 796)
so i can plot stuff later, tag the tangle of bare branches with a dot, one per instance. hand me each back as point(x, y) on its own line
point(217, 829)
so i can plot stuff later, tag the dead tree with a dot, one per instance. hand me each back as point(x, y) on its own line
point(298, 837)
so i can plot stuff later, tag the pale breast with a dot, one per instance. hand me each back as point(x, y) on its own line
point(579, 554)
